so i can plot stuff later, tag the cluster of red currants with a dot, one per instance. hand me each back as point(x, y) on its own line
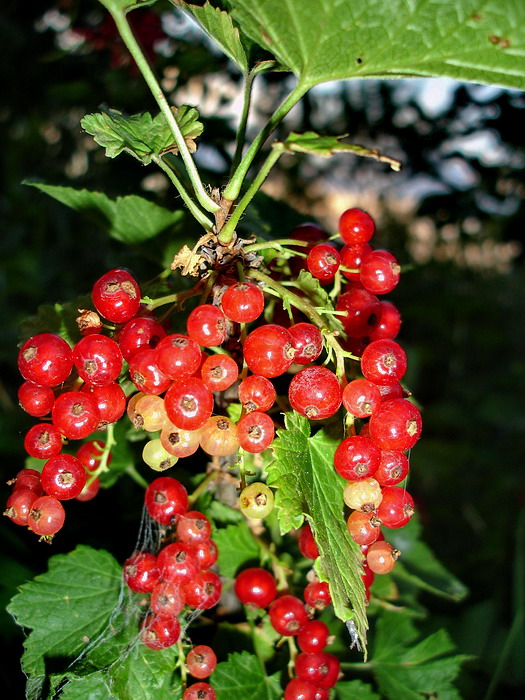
point(177, 577)
point(316, 670)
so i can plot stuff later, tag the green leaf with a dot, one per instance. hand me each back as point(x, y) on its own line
point(55, 318)
point(141, 135)
point(242, 677)
point(419, 566)
point(308, 485)
point(219, 25)
point(66, 607)
point(236, 547)
point(129, 219)
point(355, 690)
point(406, 668)
point(326, 146)
point(338, 39)
point(146, 674)
point(94, 687)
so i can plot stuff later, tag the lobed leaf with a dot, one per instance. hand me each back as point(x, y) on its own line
point(308, 485)
point(355, 690)
point(236, 547)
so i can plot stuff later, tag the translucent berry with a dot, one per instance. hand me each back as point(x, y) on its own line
point(287, 615)
point(381, 557)
point(201, 661)
point(306, 542)
point(356, 226)
point(166, 498)
point(363, 495)
point(189, 403)
point(256, 500)
point(268, 350)
point(256, 393)
point(45, 359)
point(255, 587)
point(218, 436)
point(307, 341)
point(160, 632)
point(362, 309)
point(203, 591)
point(357, 458)
point(75, 414)
point(140, 572)
point(243, 302)
point(199, 691)
point(206, 325)
point(315, 392)
point(63, 477)
point(35, 399)
point(384, 362)
point(379, 272)
point(98, 359)
point(46, 516)
point(323, 261)
point(116, 296)
point(255, 431)
point(396, 425)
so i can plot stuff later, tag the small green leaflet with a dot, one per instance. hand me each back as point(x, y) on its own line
point(129, 219)
point(338, 39)
point(236, 547)
point(308, 485)
point(355, 690)
point(141, 135)
point(242, 677)
point(405, 668)
point(56, 318)
point(325, 146)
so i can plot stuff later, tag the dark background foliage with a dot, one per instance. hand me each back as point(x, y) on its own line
point(454, 216)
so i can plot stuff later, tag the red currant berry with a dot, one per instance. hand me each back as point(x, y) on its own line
point(351, 257)
point(98, 359)
point(392, 469)
point(319, 668)
point(362, 309)
point(193, 527)
point(146, 374)
point(315, 392)
point(356, 226)
point(43, 441)
point(75, 414)
point(388, 323)
point(140, 572)
point(268, 350)
point(287, 615)
point(307, 545)
point(384, 362)
point(307, 341)
point(255, 432)
point(243, 302)
point(63, 477)
point(361, 398)
point(199, 691)
point(367, 575)
point(45, 359)
point(381, 557)
point(160, 632)
point(27, 479)
point(206, 325)
point(203, 591)
point(178, 356)
point(256, 393)
point(19, 505)
point(46, 516)
point(218, 436)
point(116, 296)
point(179, 443)
point(219, 372)
point(36, 400)
point(317, 595)
point(323, 261)
point(380, 272)
point(141, 333)
point(313, 636)
point(166, 498)
point(110, 401)
point(90, 453)
point(205, 553)
point(396, 425)
point(363, 527)
point(189, 403)
point(357, 458)
point(255, 587)
point(296, 689)
point(201, 661)
point(166, 598)
point(363, 495)
point(396, 508)
point(89, 491)
point(392, 391)
point(176, 563)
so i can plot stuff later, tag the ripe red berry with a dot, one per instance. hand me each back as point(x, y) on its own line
point(323, 261)
point(307, 341)
point(256, 393)
point(317, 595)
point(90, 454)
point(205, 553)
point(219, 372)
point(176, 563)
point(255, 587)
point(396, 425)
point(45, 359)
point(166, 498)
point(392, 469)
point(396, 508)
point(363, 527)
point(75, 414)
point(27, 479)
point(116, 296)
point(268, 350)
point(193, 527)
point(43, 441)
point(140, 572)
point(319, 668)
point(203, 591)
point(19, 505)
point(35, 399)
point(189, 403)
point(199, 691)
point(166, 598)
point(381, 557)
point(255, 432)
point(357, 458)
point(384, 362)
point(98, 359)
point(313, 636)
point(206, 325)
point(201, 661)
point(387, 324)
point(306, 542)
point(361, 398)
point(110, 401)
point(356, 226)
point(351, 257)
point(63, 477)
point(160, 632)
point(243, 302)
point(296, 689)
point(315, 392)
point(146, 374)
point(141, 333)
point(362, 309)
point(287, 615)
point(380, 272)
point(46, 516)
point(178, 356)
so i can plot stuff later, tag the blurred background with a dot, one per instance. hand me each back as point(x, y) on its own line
point(454, 216)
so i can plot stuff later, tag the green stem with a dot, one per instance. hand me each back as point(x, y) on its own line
point(228, 229)
point(103, 464)
point(137, 478)
point(133, 47)
point(277, 244)
point(203, 485)
point(233, 188)
point(241, 131)
point(170, 298)
point(197, 214)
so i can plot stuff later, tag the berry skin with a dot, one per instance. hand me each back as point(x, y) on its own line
point(27, 479)
point(110, 401)
point(357, 458)
point(362, 309)
point(160, 632)
point(388, 322)
point(43, 441)
point(396, 425)
point(206, 325)
point(140, 572)
point(256, 393)
point(315, 392)
point(319, 668)
point(98, 359)
point(116, 296)
point(45, 359)
point(361, 398)
point(218, 436)
point(307, 341)
point(201, 661)
point(150, 413)
point(203, 591)
point(189, 403)
point(313, 636)
point(139, 334)
point(243, 302)
point(36, 400)
point(63, 477)
point(381, 557)
point(396, 508)
point(317, 595)
point(46, 516)
point(255, 587)
point(146, 374)
point(384, 362)
point(166, 498)
point(205, 553)
point(178, 356)
point(379, 272)
point(363, 527)
point(306, 542)
point(256, 500)
point(323, 261)
point(166, 598)
point(296, 689)
point(356, 227)
point(193, 527)
point(363, 495)
point(255, 431)
point(156, 457)
point(199, 691)
point(219, 372)
point(90, 454)
point(75, 414)
point(177, 564)
point(392, 469)
point(287, 615)
point(351, 257)
point(180, 443)
point(19, 505)
point(268, 350)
